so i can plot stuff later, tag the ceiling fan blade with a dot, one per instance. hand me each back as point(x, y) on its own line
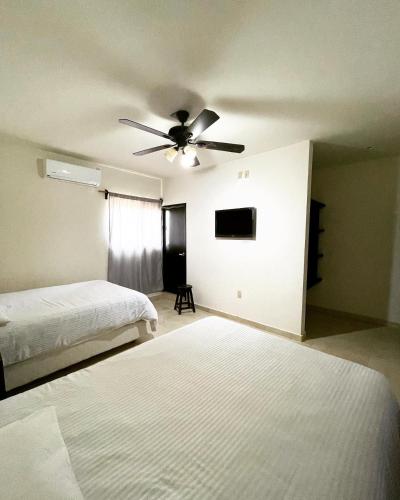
point(131, 123)
point(220, 146)
point(152, 150)
point(204, 120)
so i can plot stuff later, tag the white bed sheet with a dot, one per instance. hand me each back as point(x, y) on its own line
point(46, 319)
point(220, 410)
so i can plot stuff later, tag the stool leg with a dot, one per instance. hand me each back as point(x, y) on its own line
point(180, 303)
point(192, 301)
point(176, 300)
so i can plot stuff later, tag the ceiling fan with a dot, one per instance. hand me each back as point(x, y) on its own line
point(186, 137)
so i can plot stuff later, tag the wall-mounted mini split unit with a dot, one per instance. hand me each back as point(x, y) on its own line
point(72, 173)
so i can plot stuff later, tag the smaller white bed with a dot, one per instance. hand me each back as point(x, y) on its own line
point(54, 327)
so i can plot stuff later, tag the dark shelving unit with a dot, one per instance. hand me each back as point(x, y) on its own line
point(314, 253)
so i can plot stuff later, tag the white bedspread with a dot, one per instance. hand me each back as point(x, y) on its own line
point(46, 319)
point(218, 410)
point(37, 465)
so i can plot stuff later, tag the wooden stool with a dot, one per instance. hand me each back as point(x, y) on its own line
point(184, 299)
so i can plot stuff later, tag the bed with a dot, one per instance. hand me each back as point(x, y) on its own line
point(54, 327)
point(220, 410)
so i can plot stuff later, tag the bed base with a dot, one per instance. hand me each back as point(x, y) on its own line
point(25, 372)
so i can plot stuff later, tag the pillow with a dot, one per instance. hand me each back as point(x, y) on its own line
point(34, 461)
point(3, 318)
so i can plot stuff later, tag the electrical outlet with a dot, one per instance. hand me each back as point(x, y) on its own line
point(239, 294)
point(240, 175)
point(247, 174)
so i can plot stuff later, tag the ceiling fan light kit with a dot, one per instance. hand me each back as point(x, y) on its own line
point(185, 138)
point(187, 161)
point(170, 154)
point(189, 151)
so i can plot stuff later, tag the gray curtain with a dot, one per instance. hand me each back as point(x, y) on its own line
point(135, 243)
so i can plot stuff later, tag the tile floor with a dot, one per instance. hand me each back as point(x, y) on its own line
point(377, 347)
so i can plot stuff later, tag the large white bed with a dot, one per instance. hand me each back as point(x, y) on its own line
point(51, 328)
point(220, 410)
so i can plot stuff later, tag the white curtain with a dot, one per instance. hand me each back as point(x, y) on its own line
point(135, 243)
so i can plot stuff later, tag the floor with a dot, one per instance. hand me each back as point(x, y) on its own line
point(377, 347)
point(168, 318)
point(369, 345)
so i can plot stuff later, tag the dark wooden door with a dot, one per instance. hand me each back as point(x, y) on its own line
point(174, 246)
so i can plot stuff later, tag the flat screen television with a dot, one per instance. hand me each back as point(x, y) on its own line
point(235, 223)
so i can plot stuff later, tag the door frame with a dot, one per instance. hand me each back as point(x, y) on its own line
point(163, 209)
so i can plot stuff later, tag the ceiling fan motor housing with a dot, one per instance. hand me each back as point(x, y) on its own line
point(180, 135)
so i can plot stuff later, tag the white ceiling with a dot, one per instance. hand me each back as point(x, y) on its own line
point(276, 72)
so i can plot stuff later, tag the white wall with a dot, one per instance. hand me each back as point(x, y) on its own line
point(269, 270)
point(393, 314)
point(54, 232)
point(360, 268)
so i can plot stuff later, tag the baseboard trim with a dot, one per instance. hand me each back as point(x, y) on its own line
point(254, 324)
point(359, 317)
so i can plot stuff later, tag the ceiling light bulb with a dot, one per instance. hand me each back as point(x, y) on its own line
point(189, 151)
point(170, 154)
point(187, 160)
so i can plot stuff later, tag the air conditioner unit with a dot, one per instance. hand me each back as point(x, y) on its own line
point(72, 173)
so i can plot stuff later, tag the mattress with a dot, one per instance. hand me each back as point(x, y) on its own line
point(220, 410)
point(46, 319)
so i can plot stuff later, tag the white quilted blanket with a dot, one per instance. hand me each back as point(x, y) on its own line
point(45, 319)
point(218, 410)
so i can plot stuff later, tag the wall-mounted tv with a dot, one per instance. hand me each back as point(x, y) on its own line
point(235, 223)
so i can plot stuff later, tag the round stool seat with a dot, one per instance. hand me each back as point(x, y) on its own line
point(184, 298)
